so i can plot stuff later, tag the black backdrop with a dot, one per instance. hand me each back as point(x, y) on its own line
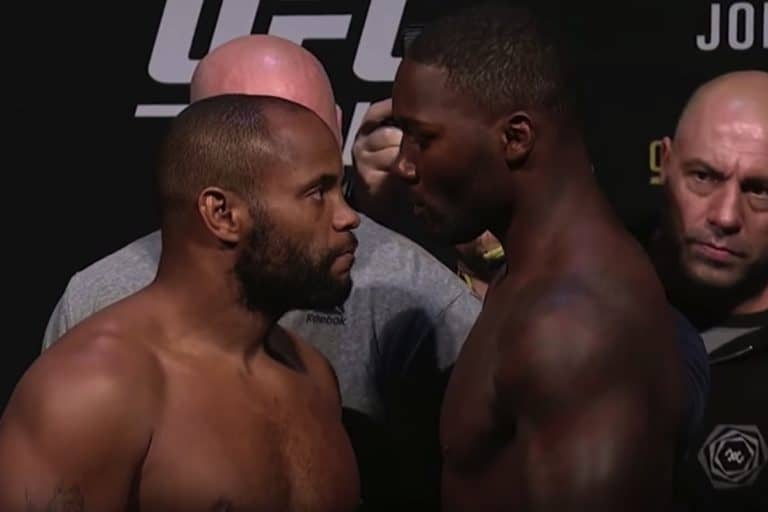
point(79, 79)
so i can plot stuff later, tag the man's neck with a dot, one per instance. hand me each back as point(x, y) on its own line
point(202, 303)
point(547, 210)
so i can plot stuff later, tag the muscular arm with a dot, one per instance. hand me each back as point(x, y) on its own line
point(595, 429)
point(73, 435)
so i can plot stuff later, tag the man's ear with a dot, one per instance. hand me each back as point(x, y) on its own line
point(517, 136)
point(338, 116)
point(224, 214)
point(666, 155)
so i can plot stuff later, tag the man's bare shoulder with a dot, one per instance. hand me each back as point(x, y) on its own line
point(572, 308)
point(95, 370)
point(565, 337)
point(81, 417)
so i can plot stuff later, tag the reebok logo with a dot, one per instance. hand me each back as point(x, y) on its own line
point(332, 316)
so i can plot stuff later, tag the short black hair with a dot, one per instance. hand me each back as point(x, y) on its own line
point(503, 56)
point(225, 141)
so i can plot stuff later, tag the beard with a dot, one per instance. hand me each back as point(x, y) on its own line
point(448, 225)
point(278, 274)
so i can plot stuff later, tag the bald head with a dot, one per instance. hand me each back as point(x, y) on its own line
point(716, 179)
point(230, 141)
point(270, 66)
point(734, 105)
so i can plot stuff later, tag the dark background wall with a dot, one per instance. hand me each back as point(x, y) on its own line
point(79, 79)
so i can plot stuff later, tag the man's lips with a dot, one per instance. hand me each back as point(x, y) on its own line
point(346, 260)
point(347, 254)
point(716, 252)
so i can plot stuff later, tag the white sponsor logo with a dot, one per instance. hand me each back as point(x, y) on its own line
point(739, 23)
point(169, 62)
point(733, 455)
point(332, 316)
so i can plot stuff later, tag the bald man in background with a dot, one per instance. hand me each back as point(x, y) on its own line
point(390, 343)
point(712, 253)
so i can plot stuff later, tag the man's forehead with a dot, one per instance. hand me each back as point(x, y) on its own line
point(744, 135)
point(303, 130)
point(300, 159)
point(421, 92)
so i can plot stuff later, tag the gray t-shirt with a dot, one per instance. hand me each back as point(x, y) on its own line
point(403, 302)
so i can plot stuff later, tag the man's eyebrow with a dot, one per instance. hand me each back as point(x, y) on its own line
point(408, 123)
point(398, 122)
point(699, 163)
point(752, 182)
point(326, 180)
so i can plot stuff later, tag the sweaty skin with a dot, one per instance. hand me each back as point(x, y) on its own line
point(119, 416)
point(181, 398)
point(567, 395)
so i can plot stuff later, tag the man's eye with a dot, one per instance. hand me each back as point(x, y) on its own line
point(757, 195)
point(317, 194)
point(702, 175)
point(421, 139)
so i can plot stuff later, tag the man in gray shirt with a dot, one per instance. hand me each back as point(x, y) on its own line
point(393, 339)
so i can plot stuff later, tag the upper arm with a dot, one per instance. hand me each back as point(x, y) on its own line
point(592, 432)
point(602, 454)
point(73, 432)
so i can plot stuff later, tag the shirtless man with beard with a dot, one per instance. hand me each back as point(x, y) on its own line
point(187, 395)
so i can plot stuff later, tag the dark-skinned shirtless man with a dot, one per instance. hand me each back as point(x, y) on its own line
point(186, 395)
point(568, 394)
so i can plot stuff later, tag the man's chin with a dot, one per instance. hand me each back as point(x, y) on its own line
point(712, 276)
point(446, 232)
point(331, 296)
point(459, 235)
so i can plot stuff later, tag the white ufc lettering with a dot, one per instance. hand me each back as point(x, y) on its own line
point(374, 61)
point(298, 28)
point(169, 62)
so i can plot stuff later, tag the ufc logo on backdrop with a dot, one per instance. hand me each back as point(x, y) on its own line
point(169, 62)
point(736, 27)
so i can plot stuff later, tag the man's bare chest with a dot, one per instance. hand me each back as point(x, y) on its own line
point(225, 449)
